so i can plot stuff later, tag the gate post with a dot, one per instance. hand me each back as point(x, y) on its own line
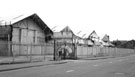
point(54, 53)
point(75, 50)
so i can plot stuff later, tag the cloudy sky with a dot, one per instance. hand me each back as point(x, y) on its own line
point(113, 17)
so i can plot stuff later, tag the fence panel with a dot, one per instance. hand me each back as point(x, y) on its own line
point(49, 51)
point(83, 51)
point(4, 48)
point(26, 52)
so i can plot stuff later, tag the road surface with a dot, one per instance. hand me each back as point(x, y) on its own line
point(112, 67)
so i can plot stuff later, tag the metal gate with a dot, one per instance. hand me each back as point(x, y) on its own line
point(64, 50)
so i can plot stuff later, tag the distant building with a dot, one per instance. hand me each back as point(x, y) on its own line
point(106, 38)
point(94, 38)
point(106, 41)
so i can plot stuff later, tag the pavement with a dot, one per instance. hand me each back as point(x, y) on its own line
point(14, 63)
point(15, 66)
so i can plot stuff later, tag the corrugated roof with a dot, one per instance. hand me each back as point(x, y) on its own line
point(67, 29)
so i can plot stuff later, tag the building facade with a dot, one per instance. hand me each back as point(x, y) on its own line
point(25, 30)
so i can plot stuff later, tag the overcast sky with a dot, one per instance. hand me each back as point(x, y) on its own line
point(113, 17)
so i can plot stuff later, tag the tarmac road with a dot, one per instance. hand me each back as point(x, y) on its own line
point(112, 67)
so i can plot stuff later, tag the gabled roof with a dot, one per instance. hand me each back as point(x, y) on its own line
point(93, 35)
point(34, 17)
point(106, 38)
point(66, 29)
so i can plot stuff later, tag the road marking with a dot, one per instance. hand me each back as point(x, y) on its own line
point(69, 71)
